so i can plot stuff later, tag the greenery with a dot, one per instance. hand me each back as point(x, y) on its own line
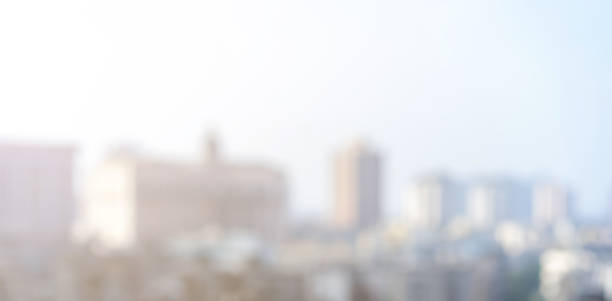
point(523, 283)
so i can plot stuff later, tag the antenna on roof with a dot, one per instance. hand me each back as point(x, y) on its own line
point(211, 148)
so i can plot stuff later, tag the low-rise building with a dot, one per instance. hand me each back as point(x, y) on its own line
point(134, 199)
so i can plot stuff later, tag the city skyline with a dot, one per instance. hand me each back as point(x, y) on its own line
point(323, 215)
point(149, 212)
point(305, 150)
point(472, 88)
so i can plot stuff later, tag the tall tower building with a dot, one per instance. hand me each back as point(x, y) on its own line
point(497, 199)
point(432, 201)
point(357, 188)
point(211, 149)
point(486, 205)
point(550, 204)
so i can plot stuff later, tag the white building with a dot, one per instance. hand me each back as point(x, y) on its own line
point(357, 200)
point(37, 204)
point(551, 204)
point(133, 199)
point(432, 201)
point(493, 200)
point(573, 274)
point(485, 206)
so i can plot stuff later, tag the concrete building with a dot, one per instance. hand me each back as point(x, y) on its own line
point(433, 201)
point(37, 203)
point(551, 204)
point(134, 199)
point(497, 199)
point(481, 280)
point(357, 196)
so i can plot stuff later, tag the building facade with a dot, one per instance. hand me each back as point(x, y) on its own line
point(432, 201)
point(357, 198)
point(37, 203)
point(133, 199)
point(551, 204)
point(496, 199)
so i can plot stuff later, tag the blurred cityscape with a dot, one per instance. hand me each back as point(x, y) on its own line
point(154, 229)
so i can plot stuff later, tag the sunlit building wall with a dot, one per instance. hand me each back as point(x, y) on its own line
point(133, 198)
point(109, 207)
point(357, 191)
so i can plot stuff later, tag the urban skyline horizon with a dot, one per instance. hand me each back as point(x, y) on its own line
point(390, 205)
point(305, 150)
point(471, 88)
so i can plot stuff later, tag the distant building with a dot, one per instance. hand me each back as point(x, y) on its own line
point(551, 204)
point(357, 197)
point(480, 280)
point(133, 199)
point(498, 199)
point(37, 203)
point(433, 201)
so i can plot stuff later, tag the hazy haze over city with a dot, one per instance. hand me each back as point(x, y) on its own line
point(471, 87)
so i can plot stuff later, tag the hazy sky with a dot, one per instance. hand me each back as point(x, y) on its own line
point(472, 87)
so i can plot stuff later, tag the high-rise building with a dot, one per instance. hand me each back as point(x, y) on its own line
point(496, 199)
point(432, 201)
point(357, 196)
point(551, 203)
point(37, 203)
point(136, 199)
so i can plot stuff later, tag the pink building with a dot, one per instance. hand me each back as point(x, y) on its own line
point(37, 204)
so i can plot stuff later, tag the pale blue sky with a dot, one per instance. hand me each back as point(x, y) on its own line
point(473, 87)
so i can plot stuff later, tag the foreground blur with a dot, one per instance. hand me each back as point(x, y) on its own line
point(155, 229)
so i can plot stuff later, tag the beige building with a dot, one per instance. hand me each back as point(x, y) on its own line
point(357, 188)
point(134, 199)
point(37, 204)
